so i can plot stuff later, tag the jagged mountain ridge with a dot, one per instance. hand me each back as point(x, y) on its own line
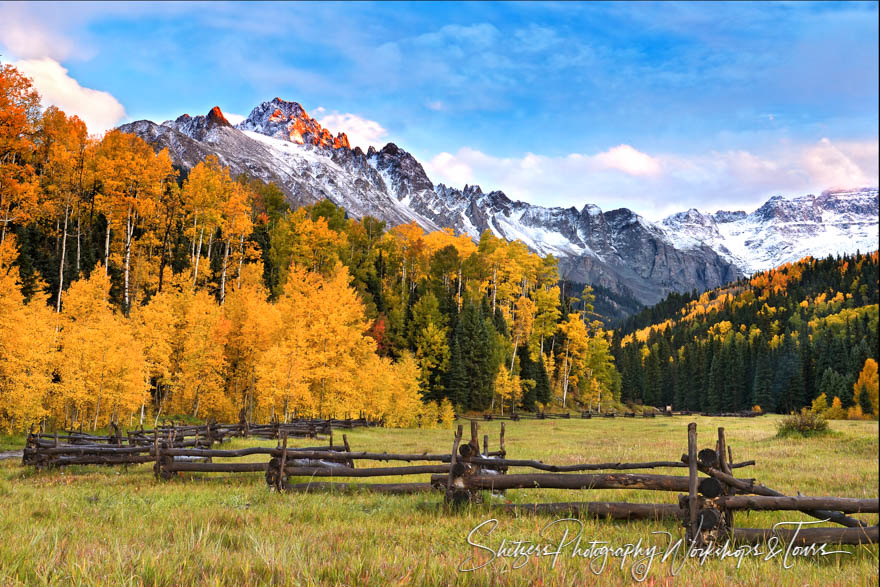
point(618, 249)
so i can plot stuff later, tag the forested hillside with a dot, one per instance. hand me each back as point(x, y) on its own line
point(779, 341)
point(128, 291)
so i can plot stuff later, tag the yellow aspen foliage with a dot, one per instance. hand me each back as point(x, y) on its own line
point(282, 387)
point(27, 348)
point(447, 414)
point(252, 324)
point(199, 382)
point(101, 367)
point(508, 388)
point(430, 415)
point(524, 319)
point(836, 411)
point(404, 400)
point(867, 383)
point(572, 358)
point(820, 404)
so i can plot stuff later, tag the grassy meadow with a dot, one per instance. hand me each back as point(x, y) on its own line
point(93, 525)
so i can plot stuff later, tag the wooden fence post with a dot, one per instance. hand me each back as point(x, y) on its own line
point(453, 463)
point(693, 483)
point(723, 454)
point(281, 481)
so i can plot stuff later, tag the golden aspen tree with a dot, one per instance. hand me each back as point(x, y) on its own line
point(19, 116)
point(524, 319)
point(447, 414)
point(202, 194)
point(64, 141)
point(411, 244)
point(27, 348)
point(429, 418)
point(508, 387)
point(404, 401)
point(865, 389)
point(332, 319)
point(132, 180)
point(235, 225)
point(547, 314)
point(573, 368)
point(282, 387)
point(317, 245)
point(432, 353)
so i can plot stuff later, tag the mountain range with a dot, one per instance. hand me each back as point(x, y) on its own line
point(618, 250)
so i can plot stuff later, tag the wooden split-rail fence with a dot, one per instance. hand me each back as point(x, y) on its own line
point(706, 504)
point(138, 445)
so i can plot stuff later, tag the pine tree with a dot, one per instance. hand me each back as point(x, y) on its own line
point(763, 388)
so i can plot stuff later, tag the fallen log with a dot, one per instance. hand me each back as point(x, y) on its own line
point(574, 481)
point(800, 503)
point(601, 509)
point(807, 536)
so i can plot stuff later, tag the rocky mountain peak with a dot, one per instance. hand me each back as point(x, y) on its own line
point(200, 128)
point(216, 116)
point(289, 121)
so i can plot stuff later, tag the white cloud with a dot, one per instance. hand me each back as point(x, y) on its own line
point(233, 118)
point(656, 185)
point(628, 160)
point(361, 132)
point(99, 110)
point(27, 36)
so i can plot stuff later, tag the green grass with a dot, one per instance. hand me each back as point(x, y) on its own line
point(96, 525)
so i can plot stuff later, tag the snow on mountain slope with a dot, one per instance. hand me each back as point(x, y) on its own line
point(784, 229)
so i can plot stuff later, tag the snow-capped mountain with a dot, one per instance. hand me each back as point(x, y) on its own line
point(618, 249)
point(783, 229)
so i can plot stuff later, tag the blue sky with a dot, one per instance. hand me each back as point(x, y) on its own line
point(657, 107)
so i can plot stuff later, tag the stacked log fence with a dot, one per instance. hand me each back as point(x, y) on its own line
point(708, 492)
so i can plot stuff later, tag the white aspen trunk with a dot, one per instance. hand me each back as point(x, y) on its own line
point(240, 261)
point(192, 245)
point(494, 286)
point(142, 414)
point(565, 371)
point(513, 358)
point(78, 239)
point(63, 254)
point(107, 250)
point(223, 274)
point(198, 257)
point(129, 235)
point(210, 245)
